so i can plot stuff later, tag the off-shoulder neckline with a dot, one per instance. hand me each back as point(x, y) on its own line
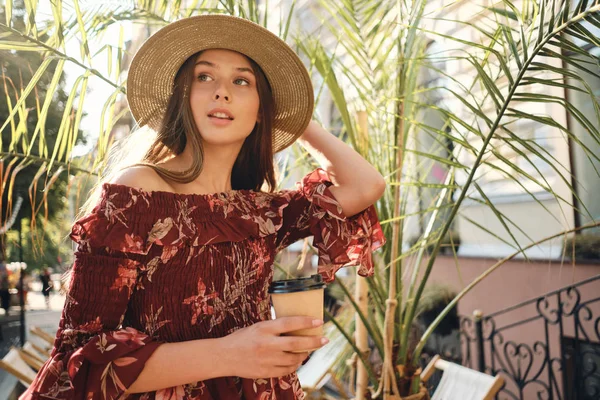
point(112, 187)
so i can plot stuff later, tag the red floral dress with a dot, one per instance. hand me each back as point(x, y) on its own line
point(153, 267)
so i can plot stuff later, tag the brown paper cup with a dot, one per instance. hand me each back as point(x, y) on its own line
point(302, 296)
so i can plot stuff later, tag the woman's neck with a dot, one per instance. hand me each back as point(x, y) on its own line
point(217, 166)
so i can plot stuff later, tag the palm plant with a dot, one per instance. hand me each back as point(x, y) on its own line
point(398, 104)
point(421, 116)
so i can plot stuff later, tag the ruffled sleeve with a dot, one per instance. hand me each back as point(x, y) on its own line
point(94, 356)
point(340, 241)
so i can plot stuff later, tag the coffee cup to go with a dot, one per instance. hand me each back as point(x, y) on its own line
point(301, 296)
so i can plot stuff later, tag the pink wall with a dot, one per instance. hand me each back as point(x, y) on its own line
point(513, 283)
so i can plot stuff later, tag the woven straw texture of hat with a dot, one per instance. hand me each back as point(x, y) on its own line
point(155, 64)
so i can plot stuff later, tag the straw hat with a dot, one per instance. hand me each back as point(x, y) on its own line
point(153, 68)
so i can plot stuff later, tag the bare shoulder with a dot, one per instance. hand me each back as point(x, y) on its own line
point(140, 177)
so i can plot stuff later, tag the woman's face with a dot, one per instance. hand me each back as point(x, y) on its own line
point(223, 79)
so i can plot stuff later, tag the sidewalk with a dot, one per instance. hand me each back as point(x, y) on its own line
point(35, 301)
point(36, 314)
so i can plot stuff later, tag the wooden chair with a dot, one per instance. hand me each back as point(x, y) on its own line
point(43, 351)
point(42, 334)
point(14, 364)
point(318, 370)
point(34, 359)
point(33, 362)
point(33, 351)
point(460, 383)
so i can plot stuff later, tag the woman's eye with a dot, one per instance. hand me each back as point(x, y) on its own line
point(201, 76)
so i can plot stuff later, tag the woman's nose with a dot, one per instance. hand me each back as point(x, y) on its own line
point(219, 96)
point(221, 93)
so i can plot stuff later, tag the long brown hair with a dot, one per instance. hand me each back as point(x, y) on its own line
point(252, 169)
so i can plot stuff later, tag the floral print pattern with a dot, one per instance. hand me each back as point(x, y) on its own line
point(154, 267)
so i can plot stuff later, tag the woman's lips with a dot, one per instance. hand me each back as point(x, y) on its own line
point(220, 121)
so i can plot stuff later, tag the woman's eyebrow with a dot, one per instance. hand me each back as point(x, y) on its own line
point(208, 63)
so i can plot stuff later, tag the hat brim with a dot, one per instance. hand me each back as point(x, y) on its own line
point(155, 64)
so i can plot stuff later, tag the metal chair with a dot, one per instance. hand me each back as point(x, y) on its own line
point(461, 383)
point(14, 364)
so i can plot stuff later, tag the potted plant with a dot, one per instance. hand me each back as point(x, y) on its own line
point(583, 247)
point(435, 299)
point(399, 107)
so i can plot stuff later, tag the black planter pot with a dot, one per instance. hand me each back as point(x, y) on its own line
point(449, 323)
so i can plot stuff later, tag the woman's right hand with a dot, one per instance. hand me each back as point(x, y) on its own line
point(258, 350)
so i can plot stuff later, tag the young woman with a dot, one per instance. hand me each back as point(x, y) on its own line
point(168, 293)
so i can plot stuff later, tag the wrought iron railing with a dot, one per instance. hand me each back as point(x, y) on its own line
point(544, 348)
